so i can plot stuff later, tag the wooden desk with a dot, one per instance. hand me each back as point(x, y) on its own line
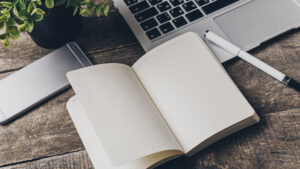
point(46, 137)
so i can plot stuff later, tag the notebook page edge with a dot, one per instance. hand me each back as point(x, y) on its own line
point(152, 54)
point(84, 72)
point(95, 148)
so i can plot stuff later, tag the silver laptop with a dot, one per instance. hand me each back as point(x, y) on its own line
point(246, 23)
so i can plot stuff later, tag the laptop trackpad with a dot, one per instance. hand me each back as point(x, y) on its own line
point(259, 20)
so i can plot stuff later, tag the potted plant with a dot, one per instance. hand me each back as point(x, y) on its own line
point(50, 23)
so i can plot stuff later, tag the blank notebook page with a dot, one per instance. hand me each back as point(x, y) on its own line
point(120, 111)
point(191, 89)
point(95, 148)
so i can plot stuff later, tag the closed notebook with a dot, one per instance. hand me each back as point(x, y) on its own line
point(175, 100)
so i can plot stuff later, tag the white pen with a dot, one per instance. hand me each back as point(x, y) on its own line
point(228, 46)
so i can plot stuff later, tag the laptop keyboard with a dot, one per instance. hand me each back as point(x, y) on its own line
point(158, 17)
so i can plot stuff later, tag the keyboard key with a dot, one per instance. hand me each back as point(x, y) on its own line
point(176, 2)
point(153, 33)
point(189, 6)
point(167, 27)
point(164, 6)
point(162, 18)
point(139, 7)
point(151, 23)
point(176, 12)
point(214, 6)
point(202, 2)
point(130, 2)
point(154, 2)
point(192, 16)
point(179, 22)
point(149, 13)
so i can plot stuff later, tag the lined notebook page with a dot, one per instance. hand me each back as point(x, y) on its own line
point(191, 89)
point(122, 114)
point(95, 149)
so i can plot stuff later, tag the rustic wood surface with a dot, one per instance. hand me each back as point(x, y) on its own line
point(46, 137)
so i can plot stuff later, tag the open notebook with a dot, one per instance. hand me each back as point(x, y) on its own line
point(177, 99)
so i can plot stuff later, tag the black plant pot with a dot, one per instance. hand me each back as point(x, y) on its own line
point(57, 28)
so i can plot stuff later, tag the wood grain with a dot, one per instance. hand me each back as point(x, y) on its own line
point(48, 131)
point(273, 143)
point(263, 92)
point(76, 160)
point(97, 35)
point(111, 34)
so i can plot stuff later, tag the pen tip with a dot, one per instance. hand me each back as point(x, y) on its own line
point(206, 33)
point(295, 85)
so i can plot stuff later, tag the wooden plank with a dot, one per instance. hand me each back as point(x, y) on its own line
point(105, 33)
point(22, 137)
point(111, 34)
point(48, 129)
point(262, 91)
point(21, 53)
point(78, 160)
point(273, 143)
point(102, 31)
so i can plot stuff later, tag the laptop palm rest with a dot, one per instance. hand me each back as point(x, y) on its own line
point(250, 24)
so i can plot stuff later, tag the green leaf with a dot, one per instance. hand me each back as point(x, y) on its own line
point(11, 22)
point(13, 32)
point(4, 36)
point(6, 13)
point(38, 17)
point(23, 13)
point(60, 2)
point(6, 43)
point(33, 11)
point(84, 2)
point(22, 28)
point(39, 2)
point(40, 11)
point(98, 10)
point(91, 6)
point(30, 26)
point(7, 4)
point(49, 3)
point(2, 24)
point(16, 12)
point(75, 10)
point(21, 5)
point(105, 10)
point(20, 15)
point(37, 11)
point(19, 21)
point(30, 7)
point(84, 12)
point(3, 18)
